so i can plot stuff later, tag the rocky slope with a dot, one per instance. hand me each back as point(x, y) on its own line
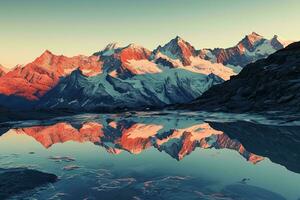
point(270, 84)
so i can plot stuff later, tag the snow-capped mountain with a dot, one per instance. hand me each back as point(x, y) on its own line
point(127, 77)
point(133, 78)
point(105, 92)
point(127, 61)
point(251, 48)
point(178, 52)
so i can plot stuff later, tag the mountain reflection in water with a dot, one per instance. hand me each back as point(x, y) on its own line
point(177, 136)
point(116, 137)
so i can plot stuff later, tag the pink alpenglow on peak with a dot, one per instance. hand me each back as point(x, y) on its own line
point(64, 132)
point(138, 137)
point(177, 51)
point(135, 59)
point(33, 80)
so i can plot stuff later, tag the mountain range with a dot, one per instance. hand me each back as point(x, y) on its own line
point(130, 77)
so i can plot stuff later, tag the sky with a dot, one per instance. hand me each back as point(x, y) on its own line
point(72, 27)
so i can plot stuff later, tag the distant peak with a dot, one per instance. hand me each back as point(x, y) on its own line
point(275, 38)
point(47, 53)
point(178, 38)
point(250, 40)
point(45, 57)
point(253, 37)
point(175, 42)
point(112, 46)
point(275, 41)
point(254, 34)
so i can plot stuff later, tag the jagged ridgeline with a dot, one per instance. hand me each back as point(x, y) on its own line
point(130, 77)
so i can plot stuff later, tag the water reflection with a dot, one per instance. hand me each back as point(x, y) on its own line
point(212, 157)
point(281, 144)
point(118, 136)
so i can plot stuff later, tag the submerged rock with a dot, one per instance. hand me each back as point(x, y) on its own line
point(17, 180)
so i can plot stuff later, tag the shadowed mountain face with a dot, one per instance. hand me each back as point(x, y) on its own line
point(271, 84)
point(103, 92)
point(130, 77)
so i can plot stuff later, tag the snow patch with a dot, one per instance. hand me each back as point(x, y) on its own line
point(142, 67)
point(175, 62)
point(206, 67)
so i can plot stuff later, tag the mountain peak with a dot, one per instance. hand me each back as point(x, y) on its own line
point(177, 49)
point(279, 43)
point(112, 46)
point(254, 34)
point(253, 37)
point(44, 58)
point(178, 38)
point(47, 52)
point(249, 41)
point(177, 41)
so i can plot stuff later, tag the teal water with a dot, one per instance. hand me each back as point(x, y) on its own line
point(157, 156)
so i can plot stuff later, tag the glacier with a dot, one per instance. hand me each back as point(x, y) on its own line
point(106, 93)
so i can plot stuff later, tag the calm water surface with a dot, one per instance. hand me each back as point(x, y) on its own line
point(158, 156)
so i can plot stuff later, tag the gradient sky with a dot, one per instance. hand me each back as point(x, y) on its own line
point(83, 27)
